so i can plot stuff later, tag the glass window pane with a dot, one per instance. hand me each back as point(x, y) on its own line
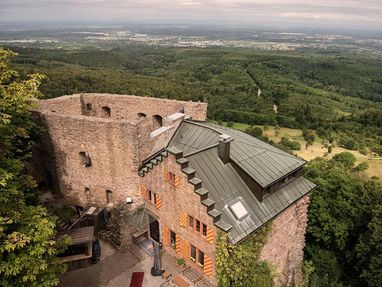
point(198, 225)
point(204, 229)
point(201, 258)
point(193, 252)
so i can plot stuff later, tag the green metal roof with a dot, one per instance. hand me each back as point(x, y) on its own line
point(225, 185)
point(262, 161)
point(191, 137)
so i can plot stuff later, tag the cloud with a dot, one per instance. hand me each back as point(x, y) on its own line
point(343, 12)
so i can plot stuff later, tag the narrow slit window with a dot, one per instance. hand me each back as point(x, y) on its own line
point(109, 196)
point(197, 226)
point(193, 252)
point(204, 229)
point(201, 258)
point(85, 158)
point(172, 239)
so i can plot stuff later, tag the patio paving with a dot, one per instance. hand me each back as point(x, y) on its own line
point(116, 267)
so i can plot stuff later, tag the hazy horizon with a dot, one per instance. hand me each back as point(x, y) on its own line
point(328, 14)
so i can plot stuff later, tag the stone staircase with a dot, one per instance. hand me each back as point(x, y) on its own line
point(192, 275)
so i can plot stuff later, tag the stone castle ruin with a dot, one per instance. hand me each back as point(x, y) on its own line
point(93, 144)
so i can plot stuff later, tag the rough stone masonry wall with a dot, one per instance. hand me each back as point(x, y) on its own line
point(125, 107)
point(117, 145)
point(66, 105)
point(182, 199)
point(122, 107)
point(113, 161)
point(284, 247)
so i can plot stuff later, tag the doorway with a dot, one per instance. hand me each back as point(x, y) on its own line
point(154, 229)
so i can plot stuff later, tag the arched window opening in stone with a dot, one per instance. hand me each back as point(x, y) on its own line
point(141, 115)
point(85, 158)
point(106, 112)
point(157, 122)
point(109, 196)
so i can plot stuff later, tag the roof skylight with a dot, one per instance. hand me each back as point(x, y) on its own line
point(238, 210)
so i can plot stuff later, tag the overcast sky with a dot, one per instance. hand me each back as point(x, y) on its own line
point(341, 13)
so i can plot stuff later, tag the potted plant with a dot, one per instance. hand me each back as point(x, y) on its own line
point(180, 262)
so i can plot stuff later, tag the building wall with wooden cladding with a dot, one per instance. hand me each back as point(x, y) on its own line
point(171, 197)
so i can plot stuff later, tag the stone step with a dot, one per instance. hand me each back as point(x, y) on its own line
point(196, 182)
point(209, 203)
point(216, 214)
point(183, 162)
point(189, 171)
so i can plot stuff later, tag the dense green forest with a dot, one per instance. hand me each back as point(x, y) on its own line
point(336, 93)
point(344, 235)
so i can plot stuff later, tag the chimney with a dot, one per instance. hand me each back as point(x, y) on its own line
point(224, 147)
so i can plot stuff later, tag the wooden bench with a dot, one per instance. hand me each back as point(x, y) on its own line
point(179, 281)
point(166, 275)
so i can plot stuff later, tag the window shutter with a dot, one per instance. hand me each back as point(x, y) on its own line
point(158, 203)
point(165, 175)
point(177, 181)
point(143, 192)
point(166, 236)
point(177, 244)
point(208, 265)
point(183, 219)
point(184, 249)
point(210, 236)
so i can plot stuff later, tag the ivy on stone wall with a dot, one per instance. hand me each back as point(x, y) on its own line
point(239, 265)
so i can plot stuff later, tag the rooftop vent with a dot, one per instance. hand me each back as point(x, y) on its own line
point(224, 147)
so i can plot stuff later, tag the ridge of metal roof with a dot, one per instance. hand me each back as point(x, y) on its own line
point(259, 160)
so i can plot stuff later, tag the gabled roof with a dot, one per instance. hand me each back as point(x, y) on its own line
point(191, 137)
point(225, 185)
point(198, 145)
point(261, 161)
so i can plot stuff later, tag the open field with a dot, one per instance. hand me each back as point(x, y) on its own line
point(317, 149)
